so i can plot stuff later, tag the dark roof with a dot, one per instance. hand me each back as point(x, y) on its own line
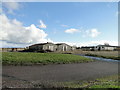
point(42, 44)
point(61, 44)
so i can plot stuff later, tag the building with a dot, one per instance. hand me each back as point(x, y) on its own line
point(73, 48)
point(105, 48)
point(63, 47)
point(51, 47)
point(100, 48)
point(88, 48)
point(43, 47)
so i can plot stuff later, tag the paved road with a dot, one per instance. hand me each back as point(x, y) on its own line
point(53, 73)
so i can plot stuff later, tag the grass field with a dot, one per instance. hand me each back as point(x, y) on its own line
point(104, 54)
point(20, 58)
point(104, 82)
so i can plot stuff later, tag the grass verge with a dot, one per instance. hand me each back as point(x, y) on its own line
point(105, 82)
point(20, 58)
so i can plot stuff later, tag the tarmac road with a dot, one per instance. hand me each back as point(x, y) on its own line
point(29, 76)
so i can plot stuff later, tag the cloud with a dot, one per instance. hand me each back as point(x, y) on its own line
point(13, 31)
point(11, 6)
point(42, 25)
point(72, 30)
point(92, 33)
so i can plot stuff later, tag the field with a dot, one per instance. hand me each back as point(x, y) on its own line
point(20, 58)
point(23, 76)
point(104, 54)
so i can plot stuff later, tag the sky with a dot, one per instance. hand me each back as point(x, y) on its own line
point(74, 23)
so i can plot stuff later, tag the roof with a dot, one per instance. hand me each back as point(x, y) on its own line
point(50, 43)
point(61, 44)
point(42, 44)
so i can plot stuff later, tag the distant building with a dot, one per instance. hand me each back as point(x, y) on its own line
point(99, 48)
point(88, 48)
point(105, 47)
point(73, 48)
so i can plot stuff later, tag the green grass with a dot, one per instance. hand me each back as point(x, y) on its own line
point(23, 58)
point(103, 56)
point(107, 82)
point(104, 82)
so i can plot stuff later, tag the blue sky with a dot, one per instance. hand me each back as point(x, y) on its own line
point(76, 23)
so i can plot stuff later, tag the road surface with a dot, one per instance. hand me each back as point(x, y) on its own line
point(30, 76)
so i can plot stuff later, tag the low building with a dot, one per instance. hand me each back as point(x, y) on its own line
point(63, 47)
point(43, 47)
point(87, 48)
point(99, 48)
point(105, 48)
point(51, 47)
point(73, 48)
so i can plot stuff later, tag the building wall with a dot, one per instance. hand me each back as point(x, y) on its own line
point(73, 48)
point(36, 47)
point(88, 48)
point(98, 48)
point(102, 48)
point(51, 47)
point(64, 47)
point(109, 48)
point(44, 47)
